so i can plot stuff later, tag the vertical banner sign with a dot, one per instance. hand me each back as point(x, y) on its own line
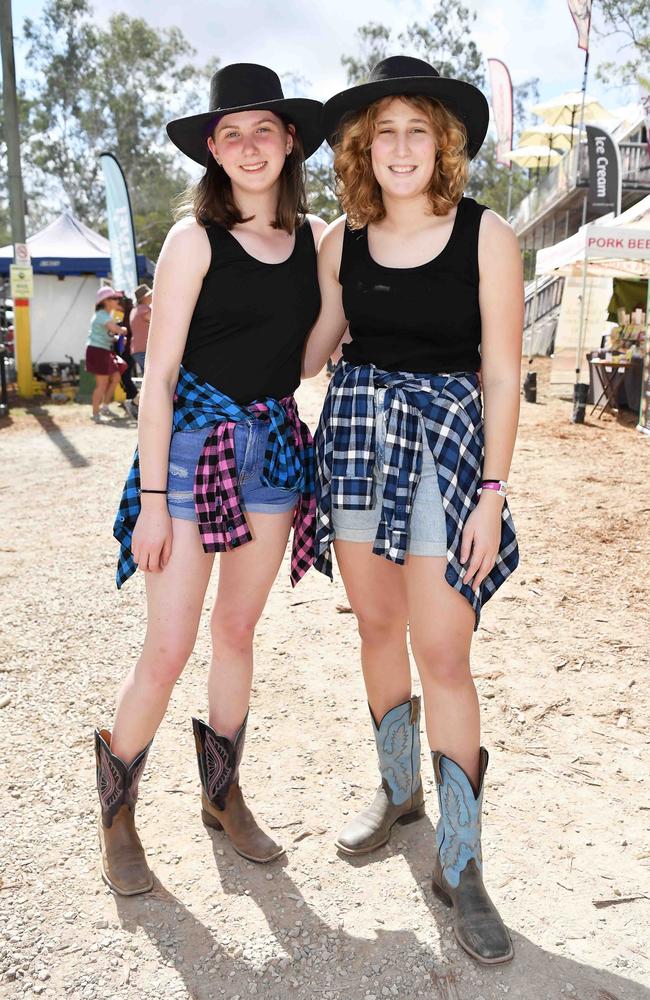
point(604, 172)
point(501, 93)
point(120, 226)
point(581, 14)
point(645, 101)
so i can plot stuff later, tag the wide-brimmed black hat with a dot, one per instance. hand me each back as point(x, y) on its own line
point(247, 87)
point(399, 75)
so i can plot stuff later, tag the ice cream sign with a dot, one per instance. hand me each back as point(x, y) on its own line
point(612, 241)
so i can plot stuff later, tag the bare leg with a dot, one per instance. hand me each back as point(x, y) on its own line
point(246, 575)
point(174, 601)
point(441, 625)
point(110, 388)
point(377, 594)
point(101, 381)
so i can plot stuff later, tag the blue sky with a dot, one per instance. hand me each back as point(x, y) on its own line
point(533, 37)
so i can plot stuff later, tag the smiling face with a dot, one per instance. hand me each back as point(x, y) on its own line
point(403, 149)
point(252, 147)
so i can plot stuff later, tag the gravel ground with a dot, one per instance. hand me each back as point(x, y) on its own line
point(561, 668)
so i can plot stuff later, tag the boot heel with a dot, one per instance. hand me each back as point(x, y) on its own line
point(412, 817)
point(441, 894)
point(210, 820)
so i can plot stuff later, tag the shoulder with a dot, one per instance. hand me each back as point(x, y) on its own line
point(102, 316)
point(331, 244)
point(496, 233)
point(318, 227)
point(187, 243)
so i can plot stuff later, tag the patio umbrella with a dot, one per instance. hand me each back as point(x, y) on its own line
point(555, 136)
point(564, 110)
point(532, 156)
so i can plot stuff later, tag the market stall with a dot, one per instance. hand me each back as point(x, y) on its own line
point(618, 249)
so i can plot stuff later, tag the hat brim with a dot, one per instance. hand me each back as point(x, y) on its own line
point(188, 134)
point(463, 99)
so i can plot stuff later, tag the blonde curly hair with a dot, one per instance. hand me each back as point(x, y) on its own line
point(356, 185)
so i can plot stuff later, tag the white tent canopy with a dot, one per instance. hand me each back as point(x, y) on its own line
point(614, 246)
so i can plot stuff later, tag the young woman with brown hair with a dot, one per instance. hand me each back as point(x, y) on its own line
point(224, 462)
point(411, 466)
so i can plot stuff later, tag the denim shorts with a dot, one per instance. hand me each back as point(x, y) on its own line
point(250, 445)
point(427, 531)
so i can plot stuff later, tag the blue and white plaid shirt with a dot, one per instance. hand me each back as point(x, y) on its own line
point(448, 407)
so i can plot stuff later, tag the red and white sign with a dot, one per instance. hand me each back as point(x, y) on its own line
point(608, 241)
point(581, 14)
point(501, 92)
point(21, 254)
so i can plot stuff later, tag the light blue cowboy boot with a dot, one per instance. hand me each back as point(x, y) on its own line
point(457, 872)
point(400, 797)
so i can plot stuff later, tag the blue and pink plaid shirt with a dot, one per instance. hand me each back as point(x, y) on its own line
point(444, 410)
point(288, 465)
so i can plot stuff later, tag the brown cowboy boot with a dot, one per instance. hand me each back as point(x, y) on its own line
point(222, 801)
point(400, 797)
point(124, 865)
point(457, 871)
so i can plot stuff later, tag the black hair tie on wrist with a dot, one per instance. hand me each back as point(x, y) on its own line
point(153, 491)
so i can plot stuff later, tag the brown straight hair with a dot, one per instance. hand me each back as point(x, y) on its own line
point(211, 199)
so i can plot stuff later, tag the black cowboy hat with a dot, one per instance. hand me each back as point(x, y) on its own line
point(247, 87)
point(399, 75)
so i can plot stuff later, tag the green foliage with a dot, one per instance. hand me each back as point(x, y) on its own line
point(630, 20)
point(109, 88)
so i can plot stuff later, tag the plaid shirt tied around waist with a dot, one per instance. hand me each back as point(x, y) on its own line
point(288, 465)
point(448, 409)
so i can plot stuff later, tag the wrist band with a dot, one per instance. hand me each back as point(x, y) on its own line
point(153, 491)
point(498, 486)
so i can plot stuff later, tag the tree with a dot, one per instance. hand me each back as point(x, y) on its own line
point(107, 88)
point(631, 20)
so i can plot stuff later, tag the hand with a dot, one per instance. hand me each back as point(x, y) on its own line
point(481, 539)
point(152, 537)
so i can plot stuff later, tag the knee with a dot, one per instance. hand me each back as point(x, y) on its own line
point(440, 663)
point(163, 660)
point(379, 626)
point(234, 628)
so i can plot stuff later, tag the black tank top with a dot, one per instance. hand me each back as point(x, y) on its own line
point(251, 319)
point(415, 319)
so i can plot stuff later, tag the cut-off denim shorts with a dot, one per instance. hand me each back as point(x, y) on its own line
point(427, 532)
point(250, 444)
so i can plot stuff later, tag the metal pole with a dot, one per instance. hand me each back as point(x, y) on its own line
point(22, 344)
point(582, 115)
point(509, 191)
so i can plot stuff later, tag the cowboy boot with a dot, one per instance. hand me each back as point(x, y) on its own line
point(400, 797)
point(457, 878)
point(124, 865)
point(222, 802)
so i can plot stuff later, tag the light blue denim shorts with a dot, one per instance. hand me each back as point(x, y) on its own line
point(250, 444)
point(427, 534)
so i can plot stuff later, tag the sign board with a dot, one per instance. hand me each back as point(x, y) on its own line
point(21, 254)
point(22, 281)
point(618, 241)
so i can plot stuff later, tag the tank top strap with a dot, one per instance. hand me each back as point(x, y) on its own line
point(225, 249)
point(306, 245)
point(463, 248)
point(354, 249)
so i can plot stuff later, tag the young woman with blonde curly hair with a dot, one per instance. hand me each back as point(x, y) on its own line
point(409, 468)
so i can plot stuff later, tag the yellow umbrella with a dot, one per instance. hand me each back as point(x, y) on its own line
point(532, 156)
point(555, 136)
point(565, 109)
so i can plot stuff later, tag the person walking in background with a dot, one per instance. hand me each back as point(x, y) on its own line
point(411, 468)
point(140, 319)
point(101, 361)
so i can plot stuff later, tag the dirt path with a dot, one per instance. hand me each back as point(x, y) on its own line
point(561, 668)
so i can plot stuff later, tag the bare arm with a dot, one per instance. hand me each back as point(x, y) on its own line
point(331, 323)
point(115, 327)
point(183, 263)
point(501, 299)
